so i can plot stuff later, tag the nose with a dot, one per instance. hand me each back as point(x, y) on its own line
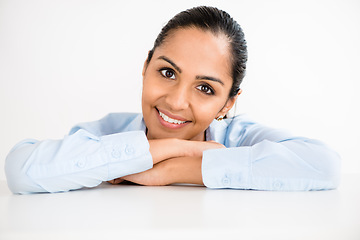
point(178, 98)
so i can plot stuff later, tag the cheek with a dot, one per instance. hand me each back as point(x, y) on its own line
point(205, 113)
point(150, 91)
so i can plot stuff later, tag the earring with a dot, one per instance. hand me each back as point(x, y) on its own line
point(219, 118)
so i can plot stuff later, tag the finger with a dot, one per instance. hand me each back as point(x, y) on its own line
point(116, 181)
point(111, 182)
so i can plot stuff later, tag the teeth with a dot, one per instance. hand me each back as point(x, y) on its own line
point(170, 120)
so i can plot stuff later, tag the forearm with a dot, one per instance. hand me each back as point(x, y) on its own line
point(293, 165)
point(174, 170)
point(185, 170)
point(175, 161)
point(79, 160)
point(163, 149)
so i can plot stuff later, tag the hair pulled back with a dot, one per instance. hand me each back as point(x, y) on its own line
point(218, 22)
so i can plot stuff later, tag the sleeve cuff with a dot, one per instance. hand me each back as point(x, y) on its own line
point(220, 170)
point(126, 153)
point(80, 160)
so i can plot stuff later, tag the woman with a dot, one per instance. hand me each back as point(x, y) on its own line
point(191, 77)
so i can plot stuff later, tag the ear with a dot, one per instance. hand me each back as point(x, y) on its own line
point(144, 67)
point(228, 105)
point(146, 64)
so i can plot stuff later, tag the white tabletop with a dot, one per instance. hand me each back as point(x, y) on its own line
point(182, 212)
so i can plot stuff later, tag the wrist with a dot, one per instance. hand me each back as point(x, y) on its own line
point(184, 170)
point(162, 149)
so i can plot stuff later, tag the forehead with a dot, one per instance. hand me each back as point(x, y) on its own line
point(198, 52)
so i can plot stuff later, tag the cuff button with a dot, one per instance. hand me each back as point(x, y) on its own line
point(226, 181)
point(277, 185)
point(129, 150)
point(81, 163)
point(116, 154)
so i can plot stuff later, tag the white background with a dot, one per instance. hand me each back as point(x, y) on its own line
point(65, 62)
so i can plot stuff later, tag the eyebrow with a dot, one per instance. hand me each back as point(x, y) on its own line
point(200, 77)
point(210, 79)
point(171, 62)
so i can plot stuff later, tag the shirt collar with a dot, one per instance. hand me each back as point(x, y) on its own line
point(217, 131)
point(138, 123)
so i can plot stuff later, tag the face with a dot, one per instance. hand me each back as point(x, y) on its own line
point(186, 85)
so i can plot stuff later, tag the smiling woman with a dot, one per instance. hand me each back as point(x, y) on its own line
point(191, 78)
point(187, 81)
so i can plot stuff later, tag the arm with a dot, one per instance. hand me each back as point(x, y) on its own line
point(85, 160)
point(263, 158)
point(162, 149)
point(256, 158)
point(251, 168)
point(183, 169)
point(174, 170)
point(79, 160)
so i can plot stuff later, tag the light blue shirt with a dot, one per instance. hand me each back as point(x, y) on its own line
point(255, 157)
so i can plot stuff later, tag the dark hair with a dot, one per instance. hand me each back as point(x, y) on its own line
point(218, 22)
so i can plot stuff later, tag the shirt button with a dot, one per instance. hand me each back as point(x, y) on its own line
point(129, 150)
point(115, 154)
point(226, 181)
point(81, 163)
point(277, 185)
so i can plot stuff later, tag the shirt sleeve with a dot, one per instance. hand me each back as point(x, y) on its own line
point(81, 159)
point(261, 158)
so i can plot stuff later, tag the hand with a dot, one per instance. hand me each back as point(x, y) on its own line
point(196, 148)
point(116, 181)
point(162, 149)
point(175, 170)
point(182, 165)
point(156, 176)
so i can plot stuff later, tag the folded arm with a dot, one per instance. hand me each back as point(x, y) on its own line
point(79, 160)
point(174, 170)
point(294, 165)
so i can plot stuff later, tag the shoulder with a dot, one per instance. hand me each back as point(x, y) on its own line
point(230, 128)
point(112, 123)
point(241, 130)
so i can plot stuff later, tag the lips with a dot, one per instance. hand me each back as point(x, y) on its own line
point(170, 121)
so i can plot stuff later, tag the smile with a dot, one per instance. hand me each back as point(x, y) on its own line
point(170, 120)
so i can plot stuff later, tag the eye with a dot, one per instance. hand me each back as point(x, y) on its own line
point(168, 73)
point(206, 89)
